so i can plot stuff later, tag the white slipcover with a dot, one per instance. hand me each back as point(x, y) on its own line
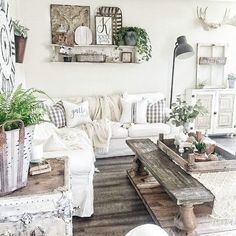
point(81, 163)
point(148, 130)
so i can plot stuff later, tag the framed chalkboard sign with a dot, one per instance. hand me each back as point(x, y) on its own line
point(103, 26)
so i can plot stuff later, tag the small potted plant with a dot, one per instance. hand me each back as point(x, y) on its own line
point(200, 153)
point(20, 110)
point(182, 113)
point(232, 81)
point(135, 36)
point(20, 32)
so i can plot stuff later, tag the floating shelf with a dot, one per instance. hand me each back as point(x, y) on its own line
point(113, 53)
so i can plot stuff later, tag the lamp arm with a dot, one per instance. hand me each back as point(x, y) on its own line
point(172, 77)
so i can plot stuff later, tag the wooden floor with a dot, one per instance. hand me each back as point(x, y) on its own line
point(227, 142)
point(118, 208)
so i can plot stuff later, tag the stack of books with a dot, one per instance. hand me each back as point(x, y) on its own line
point(40, 168)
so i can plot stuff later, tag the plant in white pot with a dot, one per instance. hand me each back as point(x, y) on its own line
point(232, 80)
point(20, 32)
point(182, 114)
point(20, 110)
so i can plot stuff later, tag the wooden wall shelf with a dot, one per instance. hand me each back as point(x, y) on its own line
point(113, 53)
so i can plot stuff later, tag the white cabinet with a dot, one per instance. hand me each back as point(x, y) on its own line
point(221, 107)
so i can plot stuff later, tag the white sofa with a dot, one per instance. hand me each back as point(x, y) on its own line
point(82, 159)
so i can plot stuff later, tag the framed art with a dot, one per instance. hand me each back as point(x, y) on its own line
point(116, 14)
point(126, 57)
point(68, 18)
point(103, 30)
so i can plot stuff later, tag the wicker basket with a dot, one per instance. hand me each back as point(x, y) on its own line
point(15, 154)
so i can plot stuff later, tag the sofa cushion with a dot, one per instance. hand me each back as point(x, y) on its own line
point(76, 114)
point(56, 114)
point(148, 130)
point(118, 131)
point(156, 112)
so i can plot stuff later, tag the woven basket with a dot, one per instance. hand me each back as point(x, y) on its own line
point(15, 155)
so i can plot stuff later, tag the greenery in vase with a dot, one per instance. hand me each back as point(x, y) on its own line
point(21, 104)
point(201, 147)
point(231, 76)
point(143, 41)
point(20, 30)
point(182, 113)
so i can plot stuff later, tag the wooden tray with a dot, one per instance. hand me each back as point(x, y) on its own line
point(226, 162)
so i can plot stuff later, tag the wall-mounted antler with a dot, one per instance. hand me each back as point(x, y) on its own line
point(201, 14)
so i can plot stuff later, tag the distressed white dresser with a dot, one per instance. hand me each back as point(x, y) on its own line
point(43, 207)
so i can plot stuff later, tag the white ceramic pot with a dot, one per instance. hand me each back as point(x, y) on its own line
point(232, 83)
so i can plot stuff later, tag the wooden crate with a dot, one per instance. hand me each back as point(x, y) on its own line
point(226, 162)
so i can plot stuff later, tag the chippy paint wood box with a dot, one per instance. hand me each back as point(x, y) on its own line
point(43, 207)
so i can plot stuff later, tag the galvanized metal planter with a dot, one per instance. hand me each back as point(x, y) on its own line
point(15, 155)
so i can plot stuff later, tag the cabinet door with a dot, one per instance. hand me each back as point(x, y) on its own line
point(205, 122)
point(225, 111)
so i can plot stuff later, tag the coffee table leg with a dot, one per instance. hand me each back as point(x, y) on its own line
point(186, 220)
point(138, 167)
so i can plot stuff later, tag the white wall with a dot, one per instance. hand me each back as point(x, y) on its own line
point(164, 20)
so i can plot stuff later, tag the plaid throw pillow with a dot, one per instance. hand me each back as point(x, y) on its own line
point(56, 114)
point(156, 112)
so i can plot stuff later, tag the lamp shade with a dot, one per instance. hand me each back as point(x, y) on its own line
point(183, 49)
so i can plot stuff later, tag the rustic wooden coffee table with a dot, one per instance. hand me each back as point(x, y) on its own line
point(171, 195)
point(43, 207)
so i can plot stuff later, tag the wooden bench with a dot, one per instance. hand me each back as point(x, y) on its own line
point(182, 188)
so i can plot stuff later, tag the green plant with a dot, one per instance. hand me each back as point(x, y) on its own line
point(143, 41)
point(182, 113)
point(201, 147)
point(21, 104)
point(231, 76)
point(201, 84)
point(20, 30)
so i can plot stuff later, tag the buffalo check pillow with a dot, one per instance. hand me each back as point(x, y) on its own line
point(156, 112)
point(56, 114)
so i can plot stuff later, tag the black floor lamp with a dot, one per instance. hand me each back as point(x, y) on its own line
point(182, 51)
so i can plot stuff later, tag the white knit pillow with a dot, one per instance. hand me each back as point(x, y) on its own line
point(76, 114)
point(127, 115)
point(140, 112)
point(134, 111)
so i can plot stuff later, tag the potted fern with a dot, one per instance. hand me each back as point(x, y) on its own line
point(20, 32)
point(20, 110)
point(135, 36)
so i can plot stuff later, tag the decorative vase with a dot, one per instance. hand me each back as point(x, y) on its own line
point(130, 38)
point(186, 128)
point(232, 83)
point(15, 155)
point(20, 44)
point(67, 58)
point(200, 156)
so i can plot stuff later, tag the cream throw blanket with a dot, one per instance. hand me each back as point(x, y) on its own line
point(102, 110)
point(99, 132)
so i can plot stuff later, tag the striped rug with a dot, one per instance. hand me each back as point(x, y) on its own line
point(118, 208)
